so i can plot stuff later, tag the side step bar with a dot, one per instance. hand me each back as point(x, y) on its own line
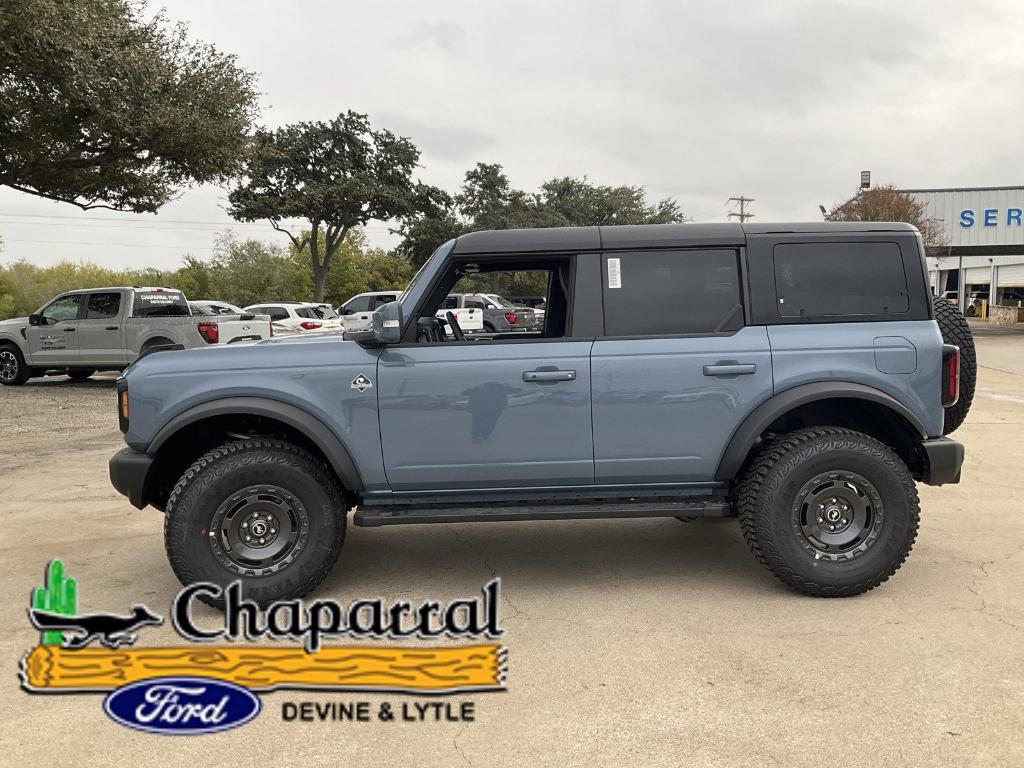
point(435, 513)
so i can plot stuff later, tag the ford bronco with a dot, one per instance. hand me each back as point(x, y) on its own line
point(800, 377)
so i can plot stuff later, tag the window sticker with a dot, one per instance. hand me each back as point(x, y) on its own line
point(614, 274)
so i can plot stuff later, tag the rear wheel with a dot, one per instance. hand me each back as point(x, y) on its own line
point(80, 374)
point(13, 370)
point(262, 511)
point(831, 512)
point(955, 330)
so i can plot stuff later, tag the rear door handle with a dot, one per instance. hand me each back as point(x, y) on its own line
point(546, 376)
point(111, 327)
point(730, 369)
point(69, 330)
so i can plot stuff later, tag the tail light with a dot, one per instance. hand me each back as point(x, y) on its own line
point(950, 375)
point(309, 325)
point(122, 404)
point(210, 332)
point(511, 317)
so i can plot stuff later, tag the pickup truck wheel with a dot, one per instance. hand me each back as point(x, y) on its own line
point(13, 370)
point(262, 511)
point(80, 374)
point(831, 512)
point(955, 330)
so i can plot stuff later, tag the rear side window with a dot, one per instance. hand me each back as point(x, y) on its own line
point(161, 304)
point(830, 279)
point(664, 293)
point(276, 313)
point(103, 306)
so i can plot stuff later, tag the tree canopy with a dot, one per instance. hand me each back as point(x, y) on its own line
point(336, 175)
point(103, 108)
point(886, 203)
point(487, 200)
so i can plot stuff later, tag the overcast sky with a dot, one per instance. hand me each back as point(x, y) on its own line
point(784, 102)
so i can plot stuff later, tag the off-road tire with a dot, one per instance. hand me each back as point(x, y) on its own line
point(767, 501)
point(11, 355)
point(80, 374)
point(955, 330)
point(222, 472)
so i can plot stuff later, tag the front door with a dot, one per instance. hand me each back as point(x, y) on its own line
point(486, 415)
point(677, 370)
point(56, 342)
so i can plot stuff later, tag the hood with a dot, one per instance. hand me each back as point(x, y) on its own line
point(279, 352)
point(14, 321)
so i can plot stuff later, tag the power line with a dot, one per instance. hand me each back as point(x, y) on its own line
point(107, 245)
point(742, 215)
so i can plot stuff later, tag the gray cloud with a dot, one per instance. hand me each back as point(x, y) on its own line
point(784, 101)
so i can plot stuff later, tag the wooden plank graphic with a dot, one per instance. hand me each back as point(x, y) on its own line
point(427, 670)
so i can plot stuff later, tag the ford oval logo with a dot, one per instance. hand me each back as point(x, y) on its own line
point(182, 705)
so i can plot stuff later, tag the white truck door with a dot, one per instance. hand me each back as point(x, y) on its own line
point(54, 344)
point(101, 330)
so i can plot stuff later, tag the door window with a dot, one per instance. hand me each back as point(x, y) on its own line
point(276, 313)
point(667, 293)
point(381, 300)
point(62, 309)
point(358, 304)
point(103, 306)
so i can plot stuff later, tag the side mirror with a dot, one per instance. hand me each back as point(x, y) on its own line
point(36, 320)
point(386, 328)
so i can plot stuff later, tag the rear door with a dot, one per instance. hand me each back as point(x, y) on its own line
point(55, 344)
point(101, 332)
point(678, 368)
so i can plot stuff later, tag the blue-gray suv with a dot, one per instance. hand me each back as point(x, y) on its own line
point(798, 376)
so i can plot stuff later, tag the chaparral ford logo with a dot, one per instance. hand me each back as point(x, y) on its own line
point(195, 689)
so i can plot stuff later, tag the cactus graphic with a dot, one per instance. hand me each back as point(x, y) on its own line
point(58, 595)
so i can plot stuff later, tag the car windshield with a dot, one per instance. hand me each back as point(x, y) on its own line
point(422, 271)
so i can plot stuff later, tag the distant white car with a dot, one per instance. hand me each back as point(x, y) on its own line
point(218, 307)
point(357, 311)
point(290, 317)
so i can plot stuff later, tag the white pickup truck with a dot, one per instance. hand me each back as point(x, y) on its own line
point(357, 311)
point(103, 329)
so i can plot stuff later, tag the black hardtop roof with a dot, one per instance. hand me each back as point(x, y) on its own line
point(649, 235)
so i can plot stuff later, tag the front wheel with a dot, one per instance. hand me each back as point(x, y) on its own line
point(831, 512)
point(13, 370)
point(80, 374)
point(262, 511)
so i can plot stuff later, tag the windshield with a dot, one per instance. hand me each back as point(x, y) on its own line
point(422, 270)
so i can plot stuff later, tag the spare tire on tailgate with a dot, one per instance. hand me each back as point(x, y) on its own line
point(955, 330)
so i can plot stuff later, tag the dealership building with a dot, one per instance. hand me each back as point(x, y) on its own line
point(984, 227)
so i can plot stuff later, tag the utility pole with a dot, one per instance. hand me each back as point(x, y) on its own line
point(742, 215)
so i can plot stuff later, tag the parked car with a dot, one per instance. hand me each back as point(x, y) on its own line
point(291, 317)
point(217, 307)
point(499, 315)
point(101, 329)
point(799, 377)
point(222, 328)
point(356, 313)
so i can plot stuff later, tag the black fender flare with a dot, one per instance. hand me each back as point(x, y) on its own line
point(751, 428)
point(312, 427)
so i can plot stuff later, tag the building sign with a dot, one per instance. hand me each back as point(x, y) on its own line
point(991, 217)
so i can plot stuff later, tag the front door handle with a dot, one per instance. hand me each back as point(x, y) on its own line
point(111, 328)
point(69, 330)
point(547, 376)
point(730, 369)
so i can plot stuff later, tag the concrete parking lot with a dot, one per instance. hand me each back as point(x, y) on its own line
point(630, 642)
